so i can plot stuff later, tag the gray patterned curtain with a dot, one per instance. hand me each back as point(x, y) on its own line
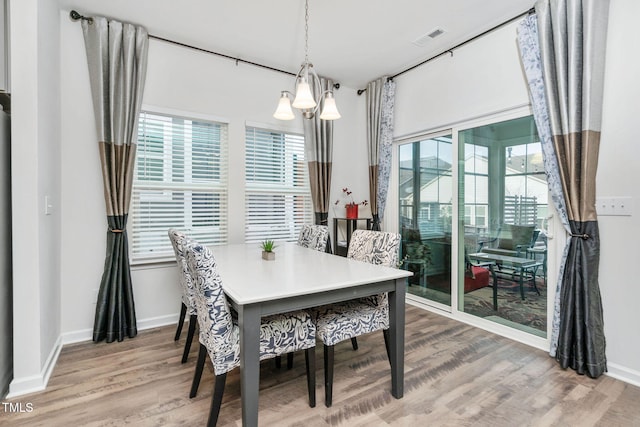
point(318, 141)
point(380, 106)
point(568, 79)
point(117, 59)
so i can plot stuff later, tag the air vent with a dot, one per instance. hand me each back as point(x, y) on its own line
point(423, 39)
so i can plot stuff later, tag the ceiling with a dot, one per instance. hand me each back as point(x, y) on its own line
point(351, 41)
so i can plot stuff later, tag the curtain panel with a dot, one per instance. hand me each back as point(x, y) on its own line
point(380, 103)
point(318, 142)
point(530, 55)
point(117, 60)
point(571, 46)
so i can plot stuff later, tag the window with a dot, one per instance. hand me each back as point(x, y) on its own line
point(278, 197)
point(525, 185)
point(476, 186)
point(180, 181)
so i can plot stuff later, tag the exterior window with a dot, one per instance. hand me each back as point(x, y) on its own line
point(278, 197)
point(180, 181)
point(525, 185)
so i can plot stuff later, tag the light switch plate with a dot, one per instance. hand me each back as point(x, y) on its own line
point(48, 205)
point(614, 206)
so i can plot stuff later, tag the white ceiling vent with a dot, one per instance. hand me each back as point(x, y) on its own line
point(423, 39)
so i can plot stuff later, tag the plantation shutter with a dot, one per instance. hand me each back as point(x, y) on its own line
point(180, 181)
point(278, 197)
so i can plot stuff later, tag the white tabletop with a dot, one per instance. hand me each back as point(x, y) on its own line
point(247, 278)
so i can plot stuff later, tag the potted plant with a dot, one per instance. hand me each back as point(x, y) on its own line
point(267, 250)
point(351, 206)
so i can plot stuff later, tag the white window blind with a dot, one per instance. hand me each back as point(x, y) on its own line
point(278, 197)
point(180, 181)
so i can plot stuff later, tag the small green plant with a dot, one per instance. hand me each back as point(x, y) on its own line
point(268, 245)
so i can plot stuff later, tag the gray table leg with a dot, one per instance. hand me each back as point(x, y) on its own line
point(249, 322)
point(396, 337)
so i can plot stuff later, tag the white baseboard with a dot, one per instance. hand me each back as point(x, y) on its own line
point(623, 374)
point(152, 322)
point(34, 383)
point(156, 322)
point(77, 336)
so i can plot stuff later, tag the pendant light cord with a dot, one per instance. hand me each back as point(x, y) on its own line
point(306, 31)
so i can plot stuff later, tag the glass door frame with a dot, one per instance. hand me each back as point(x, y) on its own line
point(555, 247)
point(392, 215)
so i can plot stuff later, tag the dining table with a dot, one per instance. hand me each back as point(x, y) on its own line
point(301, 278)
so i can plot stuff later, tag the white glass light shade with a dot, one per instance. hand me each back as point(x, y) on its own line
point(304, 99)
point(284, 111)
point(330, 110)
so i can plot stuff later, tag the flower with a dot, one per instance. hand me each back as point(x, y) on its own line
point(346, 193)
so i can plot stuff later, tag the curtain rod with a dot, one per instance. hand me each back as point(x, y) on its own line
point(450, 50)
point(75, 16)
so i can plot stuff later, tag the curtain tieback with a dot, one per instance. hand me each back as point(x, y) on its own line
point(582, 236)
point(115, 230)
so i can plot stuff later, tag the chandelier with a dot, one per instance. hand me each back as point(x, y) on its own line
point(305, 79)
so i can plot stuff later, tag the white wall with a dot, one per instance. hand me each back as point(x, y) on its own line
point(179, 79)
point(478, 79)
point(486, 77)
point(618, 175)
point(35, 173)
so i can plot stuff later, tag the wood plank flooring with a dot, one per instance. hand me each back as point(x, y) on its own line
point(455, 375)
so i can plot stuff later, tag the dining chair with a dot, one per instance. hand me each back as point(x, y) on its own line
point(178, 241)
point(314, 237)
point(350, 319)
point(220, 334)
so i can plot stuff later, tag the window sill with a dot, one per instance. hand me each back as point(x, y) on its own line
point(146, 264)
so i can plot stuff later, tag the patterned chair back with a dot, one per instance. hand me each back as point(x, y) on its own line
point(214, 314)
point(314, 237)
point(375, 247)
point(179, 240)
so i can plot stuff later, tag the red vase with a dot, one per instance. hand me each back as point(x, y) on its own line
point(352, 211)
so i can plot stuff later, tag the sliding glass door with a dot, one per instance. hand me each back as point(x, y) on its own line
point(425, 211)
point(502, 239)
point(490, 262)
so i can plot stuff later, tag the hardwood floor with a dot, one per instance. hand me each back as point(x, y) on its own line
point(455, 375)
